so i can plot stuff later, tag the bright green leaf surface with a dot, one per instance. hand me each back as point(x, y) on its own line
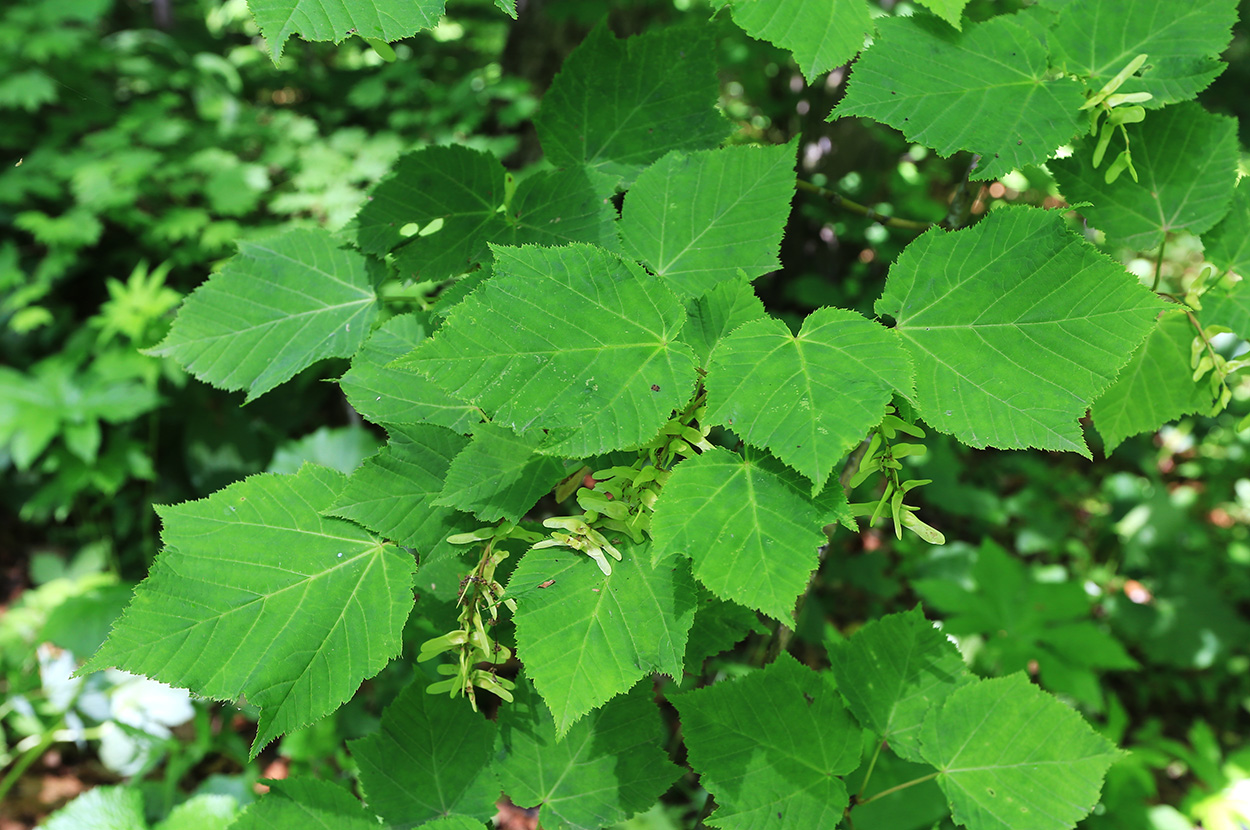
point(427, 760)
point(717, 313)
point(1011, 757)
point(1015, 325)
point(702, 218)
point(103, 808)
point(1228, 308)
point(949, 10)
point(201, 812)
point(769, 746)
point(279, 306)
point(1182, 40)
point(807, 398)
point(821, 36)
point(609, 766)
point(1156, 387)
point(571, 338)
point(336, 20)
point(393, 492)
point(1227, 245)
point(256, 593)
point(588, 637)
point(618, 105)
point(1185, 158)
point(987, 90)
point(305, 804)
point(749, 528)
point(892, 671)
point(499, 475)
point(385, 395)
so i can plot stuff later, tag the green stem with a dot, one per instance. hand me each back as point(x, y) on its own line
point(1159, 264)
point(859, 797)
point(855, 207)
point(22, 763)
point(902, 786)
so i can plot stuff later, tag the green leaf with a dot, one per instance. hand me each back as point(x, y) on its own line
point(892, 672)
point(618, 105)
point(279, 306)
point(702, 218)
point(1230, 309)
point(609, 766)
point(428, 760)
point(748, 526)
point(256, 593)
point(718, 312)
point(571, 338)
point(337, 20)
point(769, 747)
point(305, 804)
point(586, 637)
point(935, 85)
point(393, 493)
point(718, 626)
point(821, 36)
point(385, 395)
point(1011, 757)
point(811, 397)
point(1181, 42)
point(1185, 158)
point(949, 10)
point(103, 808)
point(1155, 387)
point(499, 475)
point(1227, 245)
point(201, 812)
point(1014, 325)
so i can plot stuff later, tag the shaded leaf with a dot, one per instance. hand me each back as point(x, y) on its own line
point(571, 338)
point(305, 804)
point(1014, 325)
point(702, 218)
point(821, 36)
point(1011, 757)
point(609, 766)
point(718, 312)
point(499, 475)
point(1185, 158)
point(1156, 387)
point(809, 397)
point(428, 759)
point(1229, 308)
point(932, 83)
point(1227, 245)
point(257, 593)
point(280, 305)
point(618, 105)
point(719, 625)
point(338, 20)
point(769, 747)
point(893, 671)
point(586, 637)
point(749, 528)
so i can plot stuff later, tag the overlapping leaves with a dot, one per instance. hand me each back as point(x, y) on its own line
point(819, 35)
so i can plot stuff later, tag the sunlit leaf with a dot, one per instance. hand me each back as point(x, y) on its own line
point(821, 36)
point(337, 20)
point(305, 804)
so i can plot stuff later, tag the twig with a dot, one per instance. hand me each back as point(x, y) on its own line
point(855, 207)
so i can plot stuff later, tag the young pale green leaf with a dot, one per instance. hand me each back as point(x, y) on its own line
point(809, 397)
point(1011, 757)
point(567, 338)
point(821, 36)
point(718, 312)
point(1185, 158)
point(499, 475)
point(1227, 245)
point(430, 758)
point(586, 637)
point(618, 105)
point(609, 766)
point(305, 804)
point(769, 747)
point(337, 20)
point(748, 526)
point(257, 593)
point(1156, 387)
point(277, 307)
point(385, 395)
point(393, 492)
point(103, 808)
point(699, 219)
point(932, 83)
point(1181, 41)
point(892, 672)
point(1015, 325)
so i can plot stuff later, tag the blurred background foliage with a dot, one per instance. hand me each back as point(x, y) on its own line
point(144, 138)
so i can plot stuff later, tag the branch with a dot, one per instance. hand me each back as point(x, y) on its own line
point(855, 207)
